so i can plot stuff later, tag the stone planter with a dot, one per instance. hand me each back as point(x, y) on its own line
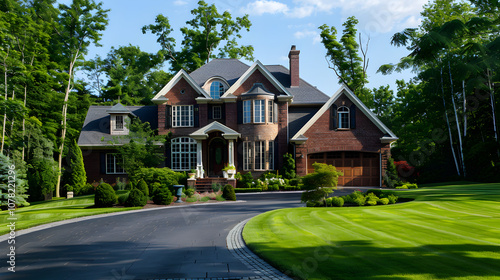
point(231, 173)
point(191, 175)
point(69, 195)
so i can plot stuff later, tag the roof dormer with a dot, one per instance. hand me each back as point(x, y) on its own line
point(119, 117)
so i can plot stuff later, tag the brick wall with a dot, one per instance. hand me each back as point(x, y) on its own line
point(92, 162)
point(256, 77)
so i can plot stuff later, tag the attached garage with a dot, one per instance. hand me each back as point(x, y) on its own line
point(359, 168)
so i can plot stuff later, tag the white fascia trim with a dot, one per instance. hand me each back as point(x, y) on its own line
point(249, 72)
point(175, 80)
point(354, 100)
point(219, 78)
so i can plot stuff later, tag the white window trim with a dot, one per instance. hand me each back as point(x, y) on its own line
point(221, 92)
point(259, 116)
point(114, 165)
point(180, 155)
point(339, 113)
point(249, 110)
point(270, 113)
point(220, 112)
point(260, 149)
point(247, 155)
point(175, 108)
point(122, 123)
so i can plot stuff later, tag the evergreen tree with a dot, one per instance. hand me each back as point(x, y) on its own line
point(77, 176)
point(11, 178)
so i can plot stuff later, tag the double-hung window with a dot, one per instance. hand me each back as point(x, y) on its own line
point(270, 155)
point(182, 116)
point(247, 155)
point(247, 111)
point(343, 116)
point(260, 155)
point(114, 164)
point(259, 111)
point(217, 112)
point(270, 108)
point(119, 123)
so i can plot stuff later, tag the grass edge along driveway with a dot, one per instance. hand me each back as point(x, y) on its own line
point(447, 232)
point(45, 212)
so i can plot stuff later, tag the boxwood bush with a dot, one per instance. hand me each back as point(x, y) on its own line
point(105, 196)
point(136, 198)
point(228, 193)
point(162, 196)
point(383, 201)
point(337, 201)
point(392, 198)
point(143, 187)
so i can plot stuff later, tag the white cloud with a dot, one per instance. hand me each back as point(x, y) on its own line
point(180, 2)
point(308, 34)
point(261, 7)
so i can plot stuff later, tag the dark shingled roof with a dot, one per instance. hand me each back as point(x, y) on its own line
point(232, 69)
point(96, 125)
point(228, 68)
point(299, 116)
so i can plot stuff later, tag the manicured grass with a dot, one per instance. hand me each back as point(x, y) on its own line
point(447, 232)
point(52, 211)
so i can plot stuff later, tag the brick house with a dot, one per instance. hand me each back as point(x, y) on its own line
point(229, 113)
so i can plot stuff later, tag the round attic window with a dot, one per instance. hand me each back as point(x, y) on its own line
point(182, 91)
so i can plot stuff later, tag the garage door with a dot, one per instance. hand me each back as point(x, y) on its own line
point(359, 168)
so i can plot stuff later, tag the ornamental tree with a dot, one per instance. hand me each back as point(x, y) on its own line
point(320, 183)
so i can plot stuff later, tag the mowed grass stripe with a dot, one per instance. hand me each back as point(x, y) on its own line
point(433, 237)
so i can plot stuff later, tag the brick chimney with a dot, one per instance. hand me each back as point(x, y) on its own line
point(293, 56)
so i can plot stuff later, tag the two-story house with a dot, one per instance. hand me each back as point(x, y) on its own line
point(227, 112)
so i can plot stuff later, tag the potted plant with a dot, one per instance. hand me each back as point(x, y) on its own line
point(192, 173)
point(229, 171)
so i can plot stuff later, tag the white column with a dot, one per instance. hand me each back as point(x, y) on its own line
point(231, 152)
point(199, 160)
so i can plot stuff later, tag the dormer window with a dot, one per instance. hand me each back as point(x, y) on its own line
point(216, 89)
point(343, 117)
point(119, 123)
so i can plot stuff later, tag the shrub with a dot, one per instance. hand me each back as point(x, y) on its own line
point(320, 183)
point(313, 204)
point(270, 175)
point(244, 180)
point(189, 192)
point(411, 186)
point(377, 192)
point(143, 187)
point(273, 187)
point(122, 198)
point(68, 188)
point(383, 201)
point(247, 190)
point(402, 187)
point(216, 187)
point(356, 198)
point(77, 174)
point(205, 199)
point(391, 178)
point(220, 198)
point(288, 169)
point(130, 185)
point(228, 193)
point(392, 198)
point(371, 202)
point(162, 196)
point(294, 182)
point(87, 189)
point(290, 188)
point(165, 176)
point(337, 201)
point(328, 202)
point(191, 199)
point(136, 198)
point(105, 196)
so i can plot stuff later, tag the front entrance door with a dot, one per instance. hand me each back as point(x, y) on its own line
point(217, 156)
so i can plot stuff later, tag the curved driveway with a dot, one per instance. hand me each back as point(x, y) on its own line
point(187, 242)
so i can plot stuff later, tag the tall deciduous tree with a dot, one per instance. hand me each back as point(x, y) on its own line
point(78, 26)
point(208, 35)
point(343, 56)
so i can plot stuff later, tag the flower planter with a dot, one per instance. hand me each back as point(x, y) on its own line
point(191, 175)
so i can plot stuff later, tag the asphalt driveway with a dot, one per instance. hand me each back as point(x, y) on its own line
point(188, 242)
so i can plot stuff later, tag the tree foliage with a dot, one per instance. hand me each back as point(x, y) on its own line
point(320, 183)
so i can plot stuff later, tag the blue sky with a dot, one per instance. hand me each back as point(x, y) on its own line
point(276, 25)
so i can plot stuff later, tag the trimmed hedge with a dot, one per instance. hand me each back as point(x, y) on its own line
point(162, 196)
point(247, 190)
point(136, 198)
point(228, 193)
point(105, 196)
point(337, 201)
point(143, 187)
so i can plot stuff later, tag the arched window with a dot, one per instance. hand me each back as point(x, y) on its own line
point(216, 89)
point(343, 117)
point(183, 154)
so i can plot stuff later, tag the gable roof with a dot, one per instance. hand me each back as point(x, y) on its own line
point(181, 74)
point(229, 69)
point(257, 66)
point(96, 125)
point(118, 108)
point(387, 138)
point(203, 132)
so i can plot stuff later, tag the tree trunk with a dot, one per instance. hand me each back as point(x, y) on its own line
point(492, 99)
point(456, 121)
point(5, 110)
point(465, 108)
point(64, 114)
point(448, 124)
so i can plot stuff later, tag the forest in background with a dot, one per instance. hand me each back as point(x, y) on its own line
point(445, 117)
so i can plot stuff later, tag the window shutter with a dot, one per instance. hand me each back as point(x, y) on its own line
point(239, 155)
point(239, 105)
point(103, 163)
point(333, 117)
point(196, 115)
point(168, 116)
point(275, 112)
point(352, 111)
point(168, 155)
point(223, 112)
point(276, 155)
point(210, 112)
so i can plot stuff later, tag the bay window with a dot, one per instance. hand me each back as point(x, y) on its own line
point(247, 111)
point(259, 111)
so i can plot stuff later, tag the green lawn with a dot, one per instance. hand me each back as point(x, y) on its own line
point(447, 232)
point(52, 211)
